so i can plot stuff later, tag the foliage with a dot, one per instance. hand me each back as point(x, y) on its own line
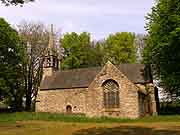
point(77, 50)
point(99, 53)
point(170, 108)
point(120, 48)
point(11, 60)
point(163, 43)
point(15, 2)
point(35, 38)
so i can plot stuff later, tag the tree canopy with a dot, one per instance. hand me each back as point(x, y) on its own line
point(15, 2)
point(120, 48)
point(11, 57)
point(80, 51)
point(21, 62)
point(163, 43)
point(77, 50)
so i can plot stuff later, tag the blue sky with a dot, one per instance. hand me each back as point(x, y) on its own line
point(99, 17)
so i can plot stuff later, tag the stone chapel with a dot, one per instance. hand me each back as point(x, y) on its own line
point(124, 90)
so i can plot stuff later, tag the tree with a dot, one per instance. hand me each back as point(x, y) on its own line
point(140, 44)
point(11, 61)
point(35, 38)
point(34, 34)
point(15, 2)
point(99, 53)
point(78, 51)
point(120, 48)
point(163, 43)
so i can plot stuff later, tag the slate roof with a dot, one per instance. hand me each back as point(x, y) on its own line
point(81, 78)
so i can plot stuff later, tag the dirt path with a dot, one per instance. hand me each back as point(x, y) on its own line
point(62, 128)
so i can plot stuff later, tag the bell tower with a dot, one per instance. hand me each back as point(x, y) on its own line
point(51, 61)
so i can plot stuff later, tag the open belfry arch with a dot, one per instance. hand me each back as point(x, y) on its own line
point(124, 90)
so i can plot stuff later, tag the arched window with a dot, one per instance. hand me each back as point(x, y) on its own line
point(111, 94)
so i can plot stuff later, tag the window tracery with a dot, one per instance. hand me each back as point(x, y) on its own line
point(111, 94)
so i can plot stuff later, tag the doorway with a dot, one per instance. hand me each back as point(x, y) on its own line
point(68, 109)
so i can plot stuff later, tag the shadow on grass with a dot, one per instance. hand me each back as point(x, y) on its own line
point(125, 130)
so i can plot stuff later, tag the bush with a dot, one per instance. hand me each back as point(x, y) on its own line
point(170, 108)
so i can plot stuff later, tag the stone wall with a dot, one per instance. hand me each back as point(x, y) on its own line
point(58, 100)
point(128, 94)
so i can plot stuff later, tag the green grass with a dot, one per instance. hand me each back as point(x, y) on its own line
point(31, 123)
point(25, 116)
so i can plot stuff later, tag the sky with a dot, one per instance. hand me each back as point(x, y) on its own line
point(98, 17)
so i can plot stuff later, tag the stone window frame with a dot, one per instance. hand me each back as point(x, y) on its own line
point(111, 94)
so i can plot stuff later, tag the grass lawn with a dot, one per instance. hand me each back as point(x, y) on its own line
point(58, 124)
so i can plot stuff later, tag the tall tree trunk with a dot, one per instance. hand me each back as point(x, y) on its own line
point(29, 89)
point(28, 102)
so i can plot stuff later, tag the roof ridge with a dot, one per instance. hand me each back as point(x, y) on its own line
point(84, 68)
point(75, 69)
